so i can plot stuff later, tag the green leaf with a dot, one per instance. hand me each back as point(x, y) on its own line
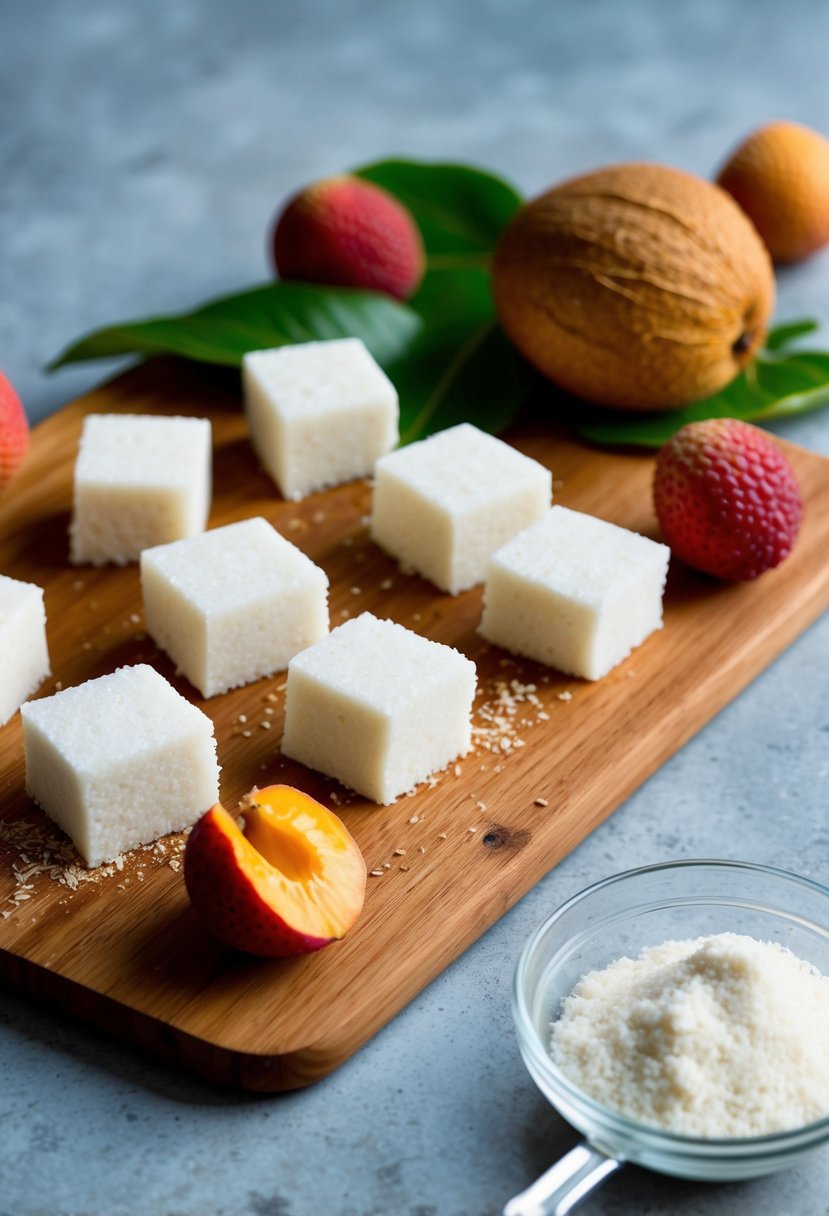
point(273, 315)
point(775, 385)
point(785, 335)
point(446, 355)
point(461, 211)
point(460, 367)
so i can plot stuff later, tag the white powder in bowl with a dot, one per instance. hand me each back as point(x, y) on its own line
point(717, 1037)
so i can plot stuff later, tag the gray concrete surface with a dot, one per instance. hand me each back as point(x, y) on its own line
point(143, 148)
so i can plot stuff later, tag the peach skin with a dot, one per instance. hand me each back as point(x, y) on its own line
point(285, 880)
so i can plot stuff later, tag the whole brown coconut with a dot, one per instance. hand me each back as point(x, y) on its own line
point(637, 286)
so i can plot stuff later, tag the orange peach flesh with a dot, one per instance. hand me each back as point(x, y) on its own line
point(305, 852)
point(289, 881)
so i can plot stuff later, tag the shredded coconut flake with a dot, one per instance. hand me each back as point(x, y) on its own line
point(41, 857)
point(717, 1037)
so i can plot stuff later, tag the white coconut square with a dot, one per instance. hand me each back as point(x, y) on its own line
point(24, 656)
point(319, 413)
point(119, 761)
point(575, 592)
point(234, 604)
point(443, 505)
point(378, 707)
point(140, 480)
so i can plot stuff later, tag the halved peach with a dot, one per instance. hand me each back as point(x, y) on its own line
point(289, 880)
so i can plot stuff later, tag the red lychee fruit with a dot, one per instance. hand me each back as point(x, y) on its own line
point(347, 232)
point(14, 432)
point(727, 498)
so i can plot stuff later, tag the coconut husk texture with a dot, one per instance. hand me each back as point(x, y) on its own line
point(638, 286)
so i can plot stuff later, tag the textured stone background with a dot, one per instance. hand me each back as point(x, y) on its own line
point(143, 149)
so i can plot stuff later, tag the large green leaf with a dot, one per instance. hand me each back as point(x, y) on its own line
point(444, 352)
point(778, 383)
point(273, 315)
point(460, 367)
point(460, 211)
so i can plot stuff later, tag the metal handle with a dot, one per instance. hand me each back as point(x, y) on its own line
point(565, 1184)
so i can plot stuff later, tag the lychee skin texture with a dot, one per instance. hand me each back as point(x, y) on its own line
point(347, 232)
point(779, 176)
point(727, 499)
point(14, 432)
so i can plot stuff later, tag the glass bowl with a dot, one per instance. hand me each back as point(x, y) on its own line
point(622, 915)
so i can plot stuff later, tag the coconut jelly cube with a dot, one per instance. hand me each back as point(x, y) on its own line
point(319, 413)
point(119, 761)
point(233, 604)
point(575, 592)
point(378, 707)
point(445, 504)
point(24, 657)
point(140, 480)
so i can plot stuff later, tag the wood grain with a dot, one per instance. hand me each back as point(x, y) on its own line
point(126, 953)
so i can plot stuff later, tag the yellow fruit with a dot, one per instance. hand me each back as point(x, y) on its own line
point(637, 286)
point(780, 178)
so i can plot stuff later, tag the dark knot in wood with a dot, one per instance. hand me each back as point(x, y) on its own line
point(499, 837)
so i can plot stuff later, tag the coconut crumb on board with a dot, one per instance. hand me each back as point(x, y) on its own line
point(512, 707)
point(40, 854)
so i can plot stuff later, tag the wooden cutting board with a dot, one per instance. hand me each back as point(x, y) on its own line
point(554, 756)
